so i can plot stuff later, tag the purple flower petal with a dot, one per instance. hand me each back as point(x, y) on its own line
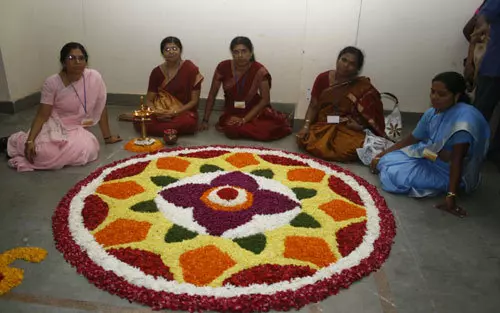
point(237, 179)
point(270, 202)
point(186, 196)
point(217, 222)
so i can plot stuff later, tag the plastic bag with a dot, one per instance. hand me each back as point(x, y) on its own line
point(372, 146)
point(393, 121)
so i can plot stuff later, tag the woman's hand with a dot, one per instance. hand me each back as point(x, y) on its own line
point(112, 139)
point(166, 115)
point(302, 133)
point(353, 125)
point(374, 162)
point(30, 151)
point(203, 126)
point(234, 120)
point(449, 205)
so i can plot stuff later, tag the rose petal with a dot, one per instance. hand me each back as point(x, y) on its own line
point(236, 179)
point(272, 202)
point(185, 196)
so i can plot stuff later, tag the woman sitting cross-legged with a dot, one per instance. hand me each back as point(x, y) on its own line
point(247, 111)
point(342, 106)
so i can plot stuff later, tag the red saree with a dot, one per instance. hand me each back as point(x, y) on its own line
point(356, 100)
point(269, 124)
point(171, 94)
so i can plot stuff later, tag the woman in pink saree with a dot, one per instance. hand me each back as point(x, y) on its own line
point(72, 101)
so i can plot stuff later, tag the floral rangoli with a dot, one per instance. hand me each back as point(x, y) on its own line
point(223, 229)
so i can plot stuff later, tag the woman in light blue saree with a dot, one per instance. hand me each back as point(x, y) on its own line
point(445, 151)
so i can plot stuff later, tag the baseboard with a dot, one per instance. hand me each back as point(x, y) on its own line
point(11, 107)
point(135, 100)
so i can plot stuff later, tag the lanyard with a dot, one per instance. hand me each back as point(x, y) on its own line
point(84, 103)
point(237, 83)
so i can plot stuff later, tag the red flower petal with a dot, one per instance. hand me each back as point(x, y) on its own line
point(94, 212)
point(268, 274)
point(274, 159)
point(204, 154)
point(338, 186)
point(227, 193)
point(350, 237)
point(127, 171)
point(148, 262)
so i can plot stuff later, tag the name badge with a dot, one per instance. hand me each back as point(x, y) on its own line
point(430, 155)
point(87, 122)
point(333, 119)
point(239, 104)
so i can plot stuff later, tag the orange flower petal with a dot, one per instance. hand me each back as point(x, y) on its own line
point(218, 207)
point(309, 249)
point(122, 231)
point(131, 146)
point(306, 175)
point(173, 164)
point(120, 190)
point(201, 266)
point(241, 160)
point(341, 210)
point(12, 277)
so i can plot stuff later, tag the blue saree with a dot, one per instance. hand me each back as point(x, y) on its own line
point(416, 170)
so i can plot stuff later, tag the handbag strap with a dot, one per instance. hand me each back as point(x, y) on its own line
point(390, 95)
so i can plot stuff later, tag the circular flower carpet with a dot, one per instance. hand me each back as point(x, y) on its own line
point(223, 229)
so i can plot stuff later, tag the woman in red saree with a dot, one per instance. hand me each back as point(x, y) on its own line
point(342, 106)
point(173, 93)
point(247, 110)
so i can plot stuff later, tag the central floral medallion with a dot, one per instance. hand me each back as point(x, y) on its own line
point(228, 204)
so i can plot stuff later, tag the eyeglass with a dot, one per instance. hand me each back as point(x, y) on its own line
point(239, 52)
point(168, 49)
point(76, 57)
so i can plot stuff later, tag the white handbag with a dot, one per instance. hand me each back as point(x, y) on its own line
point(393, 121)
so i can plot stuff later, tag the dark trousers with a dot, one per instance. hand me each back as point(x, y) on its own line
point(486, 99)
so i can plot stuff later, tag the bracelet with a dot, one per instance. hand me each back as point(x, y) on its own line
point(29, 142)
point(243, 120)
point(205, 120)
point(108, 137)
point(450, 195)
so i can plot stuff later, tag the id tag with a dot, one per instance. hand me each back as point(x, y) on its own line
point(333, 119)
point(239, 104)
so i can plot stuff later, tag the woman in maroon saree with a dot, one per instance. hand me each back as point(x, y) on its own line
point(247, 110)
point(173, 93)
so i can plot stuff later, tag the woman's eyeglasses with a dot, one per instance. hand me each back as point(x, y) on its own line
point(173, 49)
point(76, 57)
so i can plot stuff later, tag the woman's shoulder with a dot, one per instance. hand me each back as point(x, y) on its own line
point(224, 64)
point(92, 74)
point(52, 79)
point(323, 75)
point(189, 65)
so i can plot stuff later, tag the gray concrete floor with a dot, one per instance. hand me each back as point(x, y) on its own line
point(439, 263)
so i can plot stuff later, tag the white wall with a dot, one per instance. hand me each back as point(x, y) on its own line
point(4, 86)
point(406, 41)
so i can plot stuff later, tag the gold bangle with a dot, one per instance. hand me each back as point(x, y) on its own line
point(450, 195)
point(29, 142)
